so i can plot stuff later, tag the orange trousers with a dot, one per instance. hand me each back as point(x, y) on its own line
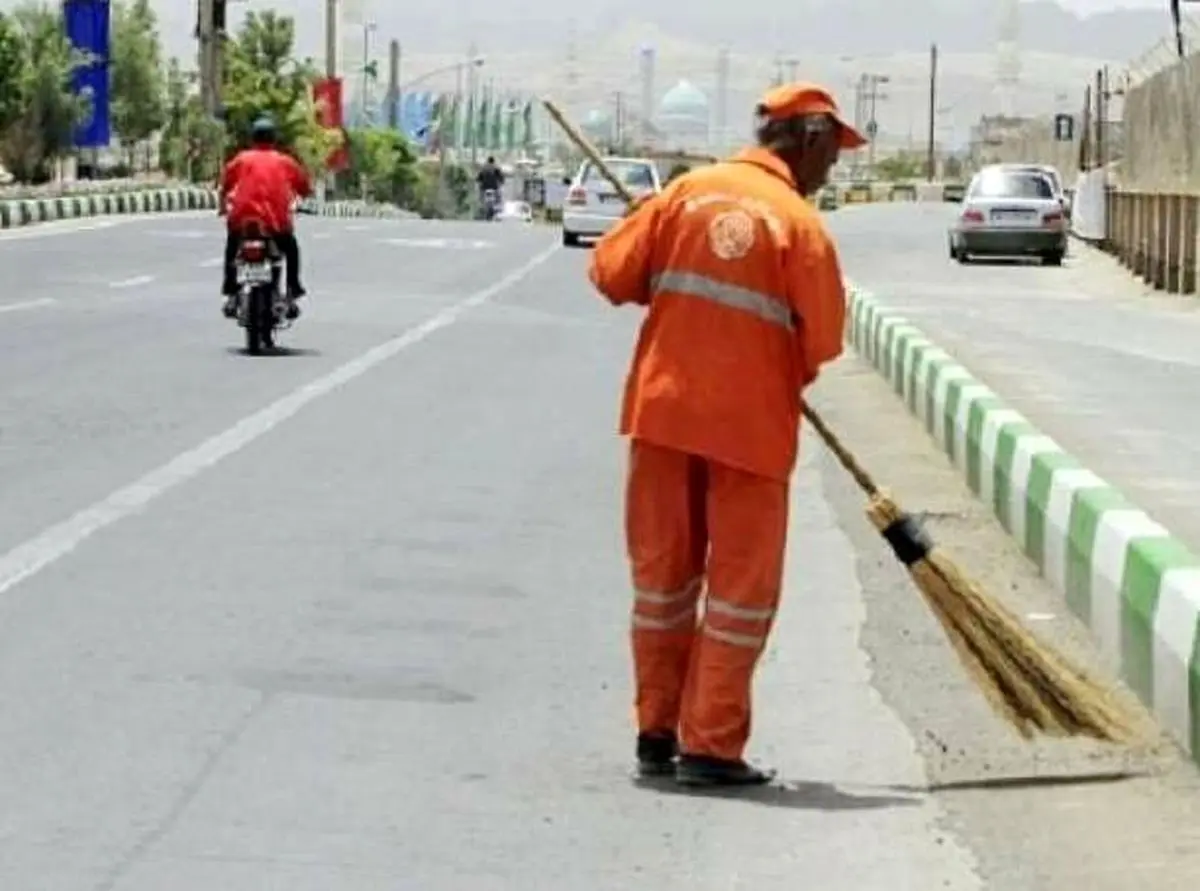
point(694, 527)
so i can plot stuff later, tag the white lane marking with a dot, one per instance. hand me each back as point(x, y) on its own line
point(26, 304)
point(134, 282)
point(92, 224)
point(214, 262)
point(435, 243)
point(64, 227)
point(35, 554)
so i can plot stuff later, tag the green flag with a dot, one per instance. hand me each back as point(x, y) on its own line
point(454, 124)
point(468, 129)
point(527, 125)
point(482, 123)
point(495, 140)
point(510, 127)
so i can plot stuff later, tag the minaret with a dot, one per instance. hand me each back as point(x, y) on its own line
point(646, 76)
point(720, 128)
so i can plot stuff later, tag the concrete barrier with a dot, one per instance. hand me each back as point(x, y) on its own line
point(1124, 575)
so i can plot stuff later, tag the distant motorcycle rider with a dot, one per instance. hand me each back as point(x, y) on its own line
point(259, 185)
point(490, 178)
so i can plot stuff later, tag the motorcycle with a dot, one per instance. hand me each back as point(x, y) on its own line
point(261, 304)
point(491, 204)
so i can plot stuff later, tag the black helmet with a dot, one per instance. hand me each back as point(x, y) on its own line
point(492, 160)
point(262, 131)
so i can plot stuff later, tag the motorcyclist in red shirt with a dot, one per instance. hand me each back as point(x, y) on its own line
point(259, 185)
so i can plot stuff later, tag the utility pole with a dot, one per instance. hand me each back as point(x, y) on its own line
point(619, 122)
point(859, 90)
point(931, 159)
point(331, 38)
point(369, 72)
point(871, 96)
point(393, 90)
point(1101, 113)
point(210, 31)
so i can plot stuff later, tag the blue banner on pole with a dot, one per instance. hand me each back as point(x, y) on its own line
point(87, 28)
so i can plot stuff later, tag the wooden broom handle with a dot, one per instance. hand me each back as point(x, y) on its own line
point(831, 440)
point(843, 454)
point(587, 148)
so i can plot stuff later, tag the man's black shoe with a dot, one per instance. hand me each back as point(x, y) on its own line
point(704, 770)
point(656, 754)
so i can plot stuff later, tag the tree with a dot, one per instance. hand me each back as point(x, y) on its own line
point(192, 142)
point(263, 77)
point(901, 166)
point(13, 63)
point(136, 86)
point(382, 165)
point(43, 109)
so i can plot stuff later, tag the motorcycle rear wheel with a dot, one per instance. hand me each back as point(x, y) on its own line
point(259, 323)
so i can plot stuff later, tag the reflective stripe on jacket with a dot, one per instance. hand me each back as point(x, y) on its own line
point(746, 303)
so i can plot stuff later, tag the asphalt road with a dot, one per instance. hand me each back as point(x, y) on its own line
point(354, 617)
point(1095, 361)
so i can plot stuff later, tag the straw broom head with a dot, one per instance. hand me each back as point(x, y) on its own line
point(1032, 687)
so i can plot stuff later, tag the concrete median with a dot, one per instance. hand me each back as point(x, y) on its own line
point(27, 212)
point(1124, 575)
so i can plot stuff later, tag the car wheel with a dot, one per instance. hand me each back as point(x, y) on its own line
point(570, 239)
point(953, 251)
point(1054, 258)
point(961, 256)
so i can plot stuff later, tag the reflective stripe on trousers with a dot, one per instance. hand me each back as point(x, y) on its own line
point(667, 611)
point(736, 297)
point(727, 622)
point(738, 626)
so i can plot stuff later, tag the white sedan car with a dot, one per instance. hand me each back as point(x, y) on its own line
point(592, 206)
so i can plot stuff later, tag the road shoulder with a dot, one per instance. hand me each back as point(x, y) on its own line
point(1036, 816)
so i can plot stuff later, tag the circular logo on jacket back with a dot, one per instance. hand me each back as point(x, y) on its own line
point(731, 234)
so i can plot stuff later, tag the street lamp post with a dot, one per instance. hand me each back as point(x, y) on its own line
point(368, 71)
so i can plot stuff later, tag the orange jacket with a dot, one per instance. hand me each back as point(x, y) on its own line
point(260, 184)
point(746, 303)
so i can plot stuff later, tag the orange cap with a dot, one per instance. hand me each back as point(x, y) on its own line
point(792, 100)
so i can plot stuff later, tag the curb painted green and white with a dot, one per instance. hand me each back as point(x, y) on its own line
point(30, 211)
point(1134, 584)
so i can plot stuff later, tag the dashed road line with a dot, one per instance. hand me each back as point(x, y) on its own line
point(136, 281)
point(26, 304)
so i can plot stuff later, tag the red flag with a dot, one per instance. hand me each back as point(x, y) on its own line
point(327, 94)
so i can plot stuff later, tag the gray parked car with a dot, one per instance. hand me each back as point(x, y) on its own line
point(1010, 213)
